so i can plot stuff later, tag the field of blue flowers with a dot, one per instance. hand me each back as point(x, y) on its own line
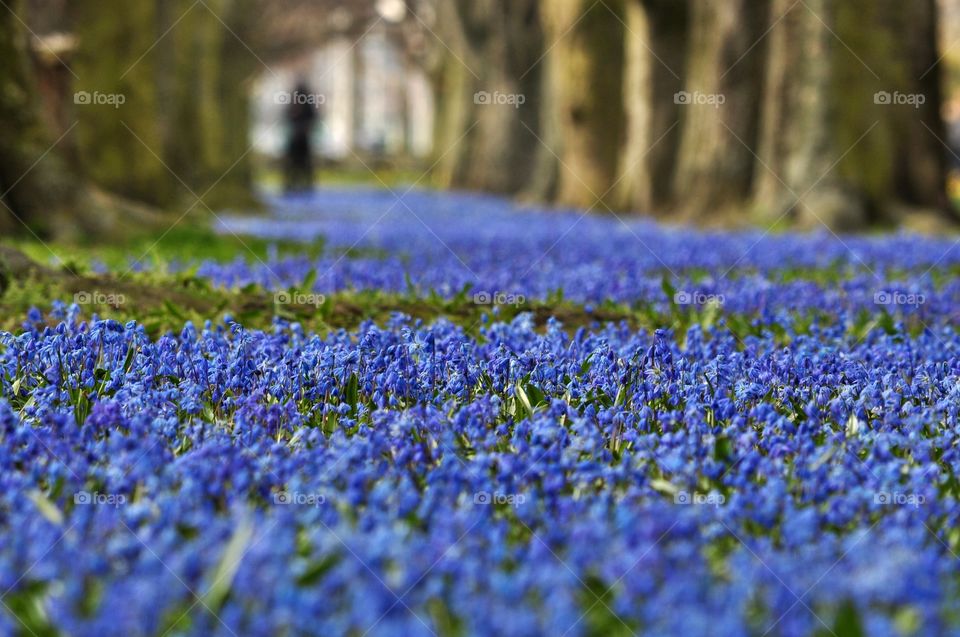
point(776, 455)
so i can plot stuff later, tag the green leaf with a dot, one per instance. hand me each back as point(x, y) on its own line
point(352, 392)
point(710, 314)
point(308, 281)
point(47, 509)
point(317, 569)
point(523, 398)
point(586, 365)
point(907, 620)
point(128, 361)
point(536, 396)
point(26, 605)
point(664, 487)
point(330, 422)
point(723, 448)
point(621, 396)
point(228, 566)
point(668, 289)
point(846, 623)
point(174, 310)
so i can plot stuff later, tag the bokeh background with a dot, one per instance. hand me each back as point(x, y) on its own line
point(782, 113)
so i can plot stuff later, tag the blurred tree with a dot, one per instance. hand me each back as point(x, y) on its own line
point(545, 173)
point(120, 144)
point(35, 184)
point(488, 93)
point(212, 56)
point(851, 123)
point(586, 41)
point(719, 107)
point(656, 61)
point(813, 111)
point(181, 69)
point(238, 63)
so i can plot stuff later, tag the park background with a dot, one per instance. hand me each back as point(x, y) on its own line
point(124, 119)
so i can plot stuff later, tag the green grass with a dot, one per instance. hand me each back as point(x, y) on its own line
point(183, 244)
point(165, 293)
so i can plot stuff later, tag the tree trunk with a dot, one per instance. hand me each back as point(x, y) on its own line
point(35, 185)
point(720, 107)
point(207, 135)
point(845, 140)
point(656, 48)
point(545, 172)
point(923, 166)
point(587, 41)
point(234, 169)
point(489, 94)
point(119, 132)
point(453, 88)
point(180, 70)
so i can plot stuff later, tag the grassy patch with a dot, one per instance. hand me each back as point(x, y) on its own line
point(182, 244)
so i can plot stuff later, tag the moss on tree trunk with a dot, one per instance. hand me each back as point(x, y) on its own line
point(181, 69)
point(120, 142)
point(851, 120)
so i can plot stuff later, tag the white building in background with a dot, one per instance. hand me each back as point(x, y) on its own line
point(371, 101)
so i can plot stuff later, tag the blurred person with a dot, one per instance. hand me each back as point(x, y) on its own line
point(302, 114)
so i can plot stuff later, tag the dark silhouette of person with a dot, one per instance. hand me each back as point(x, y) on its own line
point(302, 114)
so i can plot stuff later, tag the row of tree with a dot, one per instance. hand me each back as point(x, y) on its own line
point(145, 100)
point(810, 110)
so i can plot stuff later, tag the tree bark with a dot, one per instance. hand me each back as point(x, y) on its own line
point(587, 41)
point(207, 135)
point(545, 172)
point(180, 69)
point(850, 120)
point(235, 166)
point(35, 184)
point(719, 107)
point(453, 89)
point(656, 49)
point(119, 132)
point(488, 92)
